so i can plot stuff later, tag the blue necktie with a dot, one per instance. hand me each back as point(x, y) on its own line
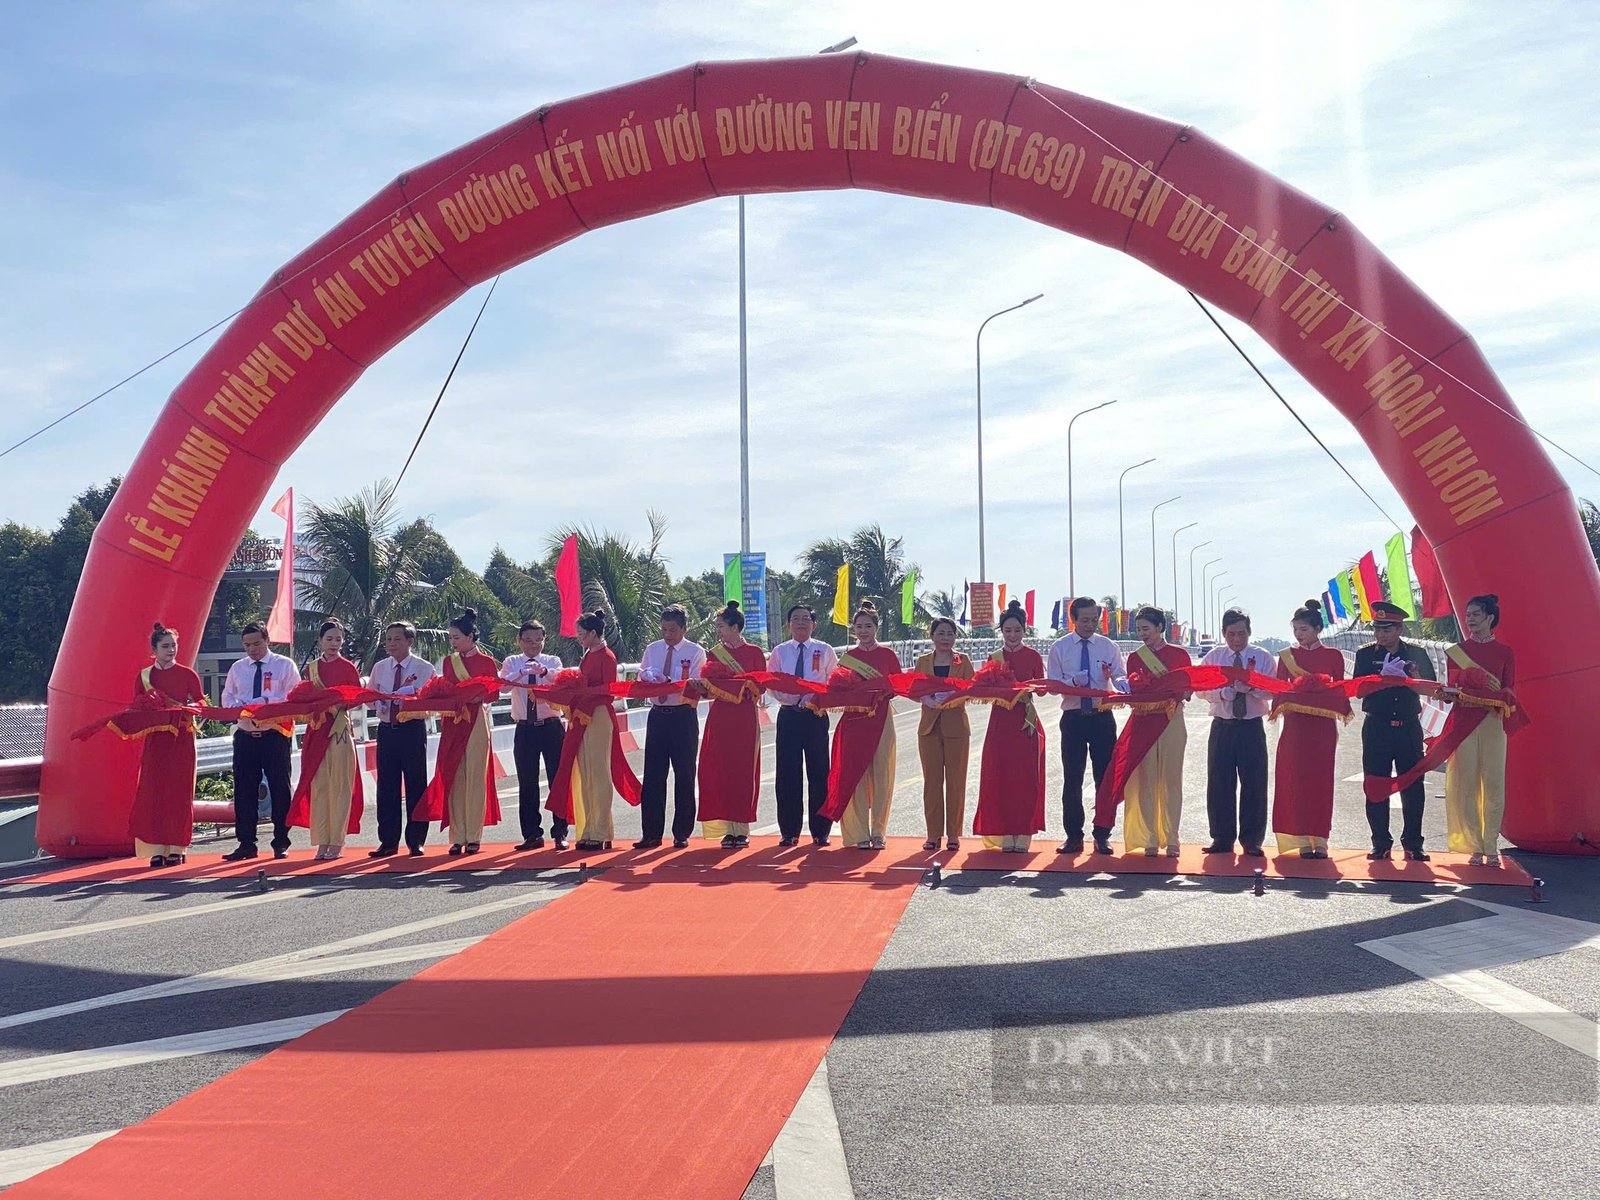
point(1086, 704)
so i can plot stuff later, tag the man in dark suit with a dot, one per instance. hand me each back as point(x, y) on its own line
point(1391, 732)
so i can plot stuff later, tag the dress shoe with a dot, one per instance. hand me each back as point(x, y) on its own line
point(561, 843)
point(647, 843)
point(239, 855)
point(455, 850)
point(1418, 856)
point(416, 851)
point(159, 860)
point(1218, 848)
point(821, 841)
point(1379, 855)
point(383, 852)
point(1254, 852)
point(680, 843)
point(1103, 846)
point(789, 841)
point(583, 844)
point(280, 853)
point(1073, 845)
point(533, 843)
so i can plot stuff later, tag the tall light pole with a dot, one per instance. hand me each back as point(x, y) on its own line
point(1205, 592)
point(1155, 584)
point(1072, 586)
point(1192, 549)
point(1122, 541)
point(1216, 602)
point(983, 568)
point(744, 371)
point(1175, 534)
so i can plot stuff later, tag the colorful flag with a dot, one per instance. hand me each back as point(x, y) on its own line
point(1105, 621)
point(1367, 572)
point(1399, 576)
point(1000, 602)
point(280, 622)
point(1027, 606)
point(1435, 596)
point(733, 579)
point(1055, 617)
point(963, 619)
point(1327, 604)
point(567, 586)
point(908, 598)
point(1335, 594)
point(841, 596)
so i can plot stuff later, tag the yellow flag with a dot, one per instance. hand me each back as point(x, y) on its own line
point(841, 597)
point(1363, 601)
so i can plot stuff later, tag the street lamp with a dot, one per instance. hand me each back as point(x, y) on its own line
point(1175, 534)
point(1155, 584)
point(1192, 549)
point(983, 570)
point(744, 372)
point(1216, 603)
point(1072, 587)
point(1122, 543)
point(1205, 592)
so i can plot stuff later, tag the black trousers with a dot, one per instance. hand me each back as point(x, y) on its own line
point(402, 758)
point(1390, 749)
point(1236, 782)
point(537, 740)
point(1085, 737)
point(257, 757)
point(671, 739)
point(802, 765)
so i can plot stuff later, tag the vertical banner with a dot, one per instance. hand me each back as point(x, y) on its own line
point(1027, 606)
point(567, 586)
point(982, 604)
point(965, 588)
point(1000, 604)
point(841, 596)
point(1367, 573)
point(753, 603)
point(1055, 617)
point(1335, 594)
point(732, 580)
point(1435, 598)
point(1399, 576)
point(908, 599)
point(280, 623)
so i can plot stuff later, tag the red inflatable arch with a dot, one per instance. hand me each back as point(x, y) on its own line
point(1406, 375)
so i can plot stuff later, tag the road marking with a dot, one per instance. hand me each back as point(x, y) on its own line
point(808, 1161)
point(246, 975)
point(155, 918)
point(1456, 957)
point(131, 1054)
point(24, 1162)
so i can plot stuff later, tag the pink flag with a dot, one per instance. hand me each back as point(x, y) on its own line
point(1027, 605)
point(280, 623)
point(567, 586)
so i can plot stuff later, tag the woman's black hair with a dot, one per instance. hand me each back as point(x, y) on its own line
point(1151, 616)
point(1490, 603)
point(869, 610)
point(159, 631)
point(729, 614)
point(1309, 613)
point(330, 623)
point(467, 623)
point(938, 621)
point(594, 622)
point(1014, 612)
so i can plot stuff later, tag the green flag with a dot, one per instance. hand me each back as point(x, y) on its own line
point(1399, 576)
point(907, 599)
point(733, 579)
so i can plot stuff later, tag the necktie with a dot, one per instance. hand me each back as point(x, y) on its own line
point(394, 686)
point(1086, 704)
point(1238, 697)
point(256, 694)
point(800, 660)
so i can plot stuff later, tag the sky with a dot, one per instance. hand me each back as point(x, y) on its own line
point(158, 161)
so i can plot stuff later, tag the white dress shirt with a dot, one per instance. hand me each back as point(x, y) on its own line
point(666, 664)
point(1065, 664)
point(821, 660)
point(279, 676)
point(400, 677)
point(539, 669)
point(1256, 702)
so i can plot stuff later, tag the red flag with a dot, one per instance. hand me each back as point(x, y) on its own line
point(1435, 596)
point(1000, 602)
point(1368, 566)
point(280, 622)
point(567, 586)
point(1027, 605)
point(1105, 621)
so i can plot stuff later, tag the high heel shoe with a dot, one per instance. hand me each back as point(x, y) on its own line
point(471, 848)
point(455, 849)
point(931, 844)
point(951, 844)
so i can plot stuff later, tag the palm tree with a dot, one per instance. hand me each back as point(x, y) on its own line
point(1589, 514)
point(622, 578)
point(878, 571)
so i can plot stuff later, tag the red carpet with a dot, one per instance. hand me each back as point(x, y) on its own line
point(806, 861)
point(623, 1042)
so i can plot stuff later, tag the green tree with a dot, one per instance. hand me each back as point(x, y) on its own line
point(626, 580)
point(878, 570)
point(1589, 515)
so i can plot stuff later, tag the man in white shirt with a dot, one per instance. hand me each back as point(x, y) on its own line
point(1236, 756)
point(538, 736)
point(260, 749)
point(1084, 658)
point(802, 732)
point(402, 745)
point(671, 733)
